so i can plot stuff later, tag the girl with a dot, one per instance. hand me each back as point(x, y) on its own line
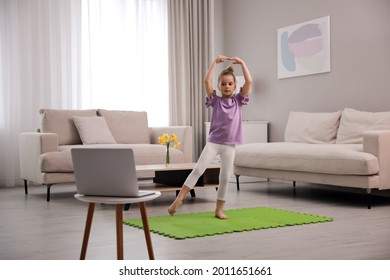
point(225, 130)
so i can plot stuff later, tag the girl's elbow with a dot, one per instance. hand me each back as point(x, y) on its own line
point(248, 83)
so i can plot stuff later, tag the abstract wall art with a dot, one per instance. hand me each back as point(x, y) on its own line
point(304, 48)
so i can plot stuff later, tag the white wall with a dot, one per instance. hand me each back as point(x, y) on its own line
point(360, 56)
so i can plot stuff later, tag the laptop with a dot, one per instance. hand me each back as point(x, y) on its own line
point(106, 172)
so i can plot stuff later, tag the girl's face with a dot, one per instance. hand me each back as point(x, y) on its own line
point(227, 86)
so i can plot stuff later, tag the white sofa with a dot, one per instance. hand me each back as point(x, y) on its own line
point(349, 148)
point(45, 156)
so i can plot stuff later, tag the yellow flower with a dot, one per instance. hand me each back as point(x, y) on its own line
point(167, 139)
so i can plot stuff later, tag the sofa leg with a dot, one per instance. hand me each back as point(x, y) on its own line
point(369, 198)
point(294, 188)
point(25, 186)
point(238, 182)
point(48, 192)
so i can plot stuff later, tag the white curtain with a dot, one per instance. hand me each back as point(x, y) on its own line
point(39, 67)
point(78, 54)
point(190, 53)
point(125, 56)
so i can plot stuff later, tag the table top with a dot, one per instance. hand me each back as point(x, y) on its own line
point(116, 200)
point(171, 167)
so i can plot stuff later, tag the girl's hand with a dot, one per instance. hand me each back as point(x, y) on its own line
point(236, 60)
point(221, 58)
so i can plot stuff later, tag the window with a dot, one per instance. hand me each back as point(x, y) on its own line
point(125, 57)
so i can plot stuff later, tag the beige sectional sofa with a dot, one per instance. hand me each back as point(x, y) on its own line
point(349, 148)
point(45, 156)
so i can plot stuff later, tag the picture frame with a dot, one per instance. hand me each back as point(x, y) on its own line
point(304, 48)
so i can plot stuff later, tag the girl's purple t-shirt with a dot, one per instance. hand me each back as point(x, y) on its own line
point(226, 120)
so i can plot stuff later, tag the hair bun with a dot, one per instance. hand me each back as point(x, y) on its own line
point(227, 71)
point(230, 70)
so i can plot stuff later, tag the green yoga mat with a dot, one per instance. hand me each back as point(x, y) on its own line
point(245, 219)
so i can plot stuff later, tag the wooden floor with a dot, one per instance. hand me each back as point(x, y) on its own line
point(33, 229)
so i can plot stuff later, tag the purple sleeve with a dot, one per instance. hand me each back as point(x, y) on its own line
point(211, 101)
point(243, 100)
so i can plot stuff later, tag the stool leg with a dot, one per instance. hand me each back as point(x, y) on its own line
point(119, 231)
point(142, 208)
point(88, 223)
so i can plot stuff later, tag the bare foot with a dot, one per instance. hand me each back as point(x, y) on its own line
point(174, 206)
point(178, 200)
point(220, 215)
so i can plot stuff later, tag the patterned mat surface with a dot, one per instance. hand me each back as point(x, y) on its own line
point(245, 219)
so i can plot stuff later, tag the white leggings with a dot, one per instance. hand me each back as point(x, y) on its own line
point(210, 151)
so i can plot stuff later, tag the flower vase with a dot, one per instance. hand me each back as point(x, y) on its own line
point(167, 158)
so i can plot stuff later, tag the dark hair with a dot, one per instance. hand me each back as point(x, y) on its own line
point(226, 72)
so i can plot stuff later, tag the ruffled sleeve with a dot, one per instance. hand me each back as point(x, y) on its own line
point(243, 100)
point(211, 101)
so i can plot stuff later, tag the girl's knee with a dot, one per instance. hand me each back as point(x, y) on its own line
point(223, 182)
point(197, 172)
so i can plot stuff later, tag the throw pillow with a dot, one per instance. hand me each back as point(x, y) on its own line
point(60, 121)
point(93, 130)
point(127, 127)
point(313, 128)
point(354, 123)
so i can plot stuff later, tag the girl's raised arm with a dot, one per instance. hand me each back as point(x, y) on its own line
point(247, 76)
point(208, 80)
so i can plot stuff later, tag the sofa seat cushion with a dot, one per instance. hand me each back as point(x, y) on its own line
point(317, 158)
point(61, 161)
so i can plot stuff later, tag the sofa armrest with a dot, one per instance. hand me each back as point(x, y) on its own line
point(184, 134)
point(377, 142)
point(31, 146)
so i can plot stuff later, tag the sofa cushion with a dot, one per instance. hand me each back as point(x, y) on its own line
point(127, 127)
point(61, 122)
point(354, 123)
point(314, 128)
point(317, 158)
point(61, 161)
point(93, 130)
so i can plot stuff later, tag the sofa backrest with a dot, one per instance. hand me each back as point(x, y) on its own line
point(341, 127)
point(354, 123)
point(127, 127)
point(60, 121)
point(314, 128)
